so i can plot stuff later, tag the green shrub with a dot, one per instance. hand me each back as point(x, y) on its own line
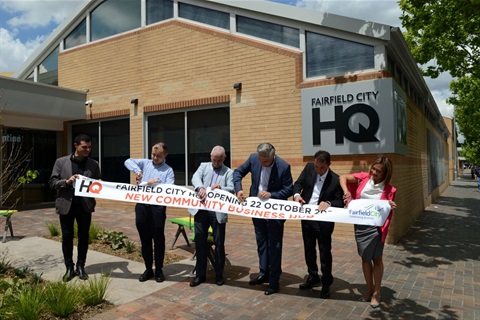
point(94, 232)
point(29, 305)
point(4, 263)
point(35, 279)
point(22, 272)
point(130, 246)
point(53, 229)
point(61, 298)
point(114, 238)
point(93, 291)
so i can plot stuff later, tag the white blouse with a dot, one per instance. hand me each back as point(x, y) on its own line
point(372, 190)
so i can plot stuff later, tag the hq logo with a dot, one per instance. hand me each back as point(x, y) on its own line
point(90, 187)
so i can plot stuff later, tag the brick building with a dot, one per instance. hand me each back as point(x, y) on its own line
point(196, 73)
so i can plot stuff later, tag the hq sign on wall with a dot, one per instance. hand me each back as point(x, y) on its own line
point(354, 118)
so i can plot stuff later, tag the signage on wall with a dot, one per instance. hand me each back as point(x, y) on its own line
point(354, 118)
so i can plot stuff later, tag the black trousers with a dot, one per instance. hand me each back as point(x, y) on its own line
point(203, 221)
point(321, 232)
point(84, 220)
point(269, 236)
point(150, 223)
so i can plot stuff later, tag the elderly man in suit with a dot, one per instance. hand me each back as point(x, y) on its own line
point(271, 179)
point(318, 185)
point(215, 175)
point(70, 207)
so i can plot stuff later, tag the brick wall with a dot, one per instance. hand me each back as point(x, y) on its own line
point(169, 65)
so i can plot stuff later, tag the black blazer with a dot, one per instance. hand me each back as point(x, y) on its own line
point(331, 190)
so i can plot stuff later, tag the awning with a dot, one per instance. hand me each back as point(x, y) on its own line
point(27, 104)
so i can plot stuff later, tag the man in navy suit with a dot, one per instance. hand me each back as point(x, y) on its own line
point(319, 185)
point(215, 175)
point(271, 178)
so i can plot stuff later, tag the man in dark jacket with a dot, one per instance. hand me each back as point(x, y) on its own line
point(70, 207)
point(318, 185)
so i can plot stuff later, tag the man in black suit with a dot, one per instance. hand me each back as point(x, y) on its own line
point(317, 184)
point(271, 179)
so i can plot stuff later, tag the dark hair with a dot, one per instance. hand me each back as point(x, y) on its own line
point(82, 137)
point(160, 145)
point(388, 166)
point(322, 156)
point(266, 148)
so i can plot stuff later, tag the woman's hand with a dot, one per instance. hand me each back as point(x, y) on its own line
point(392, 204)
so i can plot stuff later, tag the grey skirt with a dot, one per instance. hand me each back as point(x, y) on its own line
point(369, 242)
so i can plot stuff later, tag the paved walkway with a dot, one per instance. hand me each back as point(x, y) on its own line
point(432, 273)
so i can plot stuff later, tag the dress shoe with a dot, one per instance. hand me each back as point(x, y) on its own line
point(311, 282)
point(148, 274)
point(69, 275)
point(82, 275)
point(159, 277)
point(219, 281)
point(271, 290)
point(198, 280)
point(325, 292)
point(258, 280)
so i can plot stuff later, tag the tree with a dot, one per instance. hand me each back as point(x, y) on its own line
point(466, 100)
point(13, 171)
point(446, 32)
point(443, 36)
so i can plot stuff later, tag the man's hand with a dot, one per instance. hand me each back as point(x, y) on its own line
point(201, 194)
point(264, 195)
point(299, 199)
point(71, 180)
point(323, 206)
point(153, 181)
point(138, 176)
point(241, 196)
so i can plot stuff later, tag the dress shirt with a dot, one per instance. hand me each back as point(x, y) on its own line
point(163, 171)
point(317, 190)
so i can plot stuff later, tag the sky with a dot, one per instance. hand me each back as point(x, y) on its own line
point(25, 24)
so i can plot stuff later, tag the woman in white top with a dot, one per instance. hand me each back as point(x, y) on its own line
point(370, 239)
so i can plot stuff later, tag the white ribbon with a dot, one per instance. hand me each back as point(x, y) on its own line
point(366, 212)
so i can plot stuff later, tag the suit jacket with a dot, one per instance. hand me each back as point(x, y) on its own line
point(331, 189)
point(203, 176)
point(62, 171)
point(280, 182)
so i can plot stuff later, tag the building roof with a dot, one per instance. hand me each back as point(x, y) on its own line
point(392, 37)
point(26, 104)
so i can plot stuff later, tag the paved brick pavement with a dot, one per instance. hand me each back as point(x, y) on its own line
point(432, 273)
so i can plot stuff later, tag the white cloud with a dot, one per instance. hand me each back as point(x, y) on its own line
point(30, 21)
point(14, 52)
point(37, 13)
point(381, 11)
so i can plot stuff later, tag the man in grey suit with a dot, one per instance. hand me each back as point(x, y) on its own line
point(215, 175)
point(70, 207)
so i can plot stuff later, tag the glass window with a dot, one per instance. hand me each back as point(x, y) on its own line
point(114, 148)
point(48, 69)
point(78, 36)
point(329, 56)
point(269, 31)
point(204, 130)
point(208, 16)
point(113, 17)
point(31, 77)
point(159, 10)
point(38, 148)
